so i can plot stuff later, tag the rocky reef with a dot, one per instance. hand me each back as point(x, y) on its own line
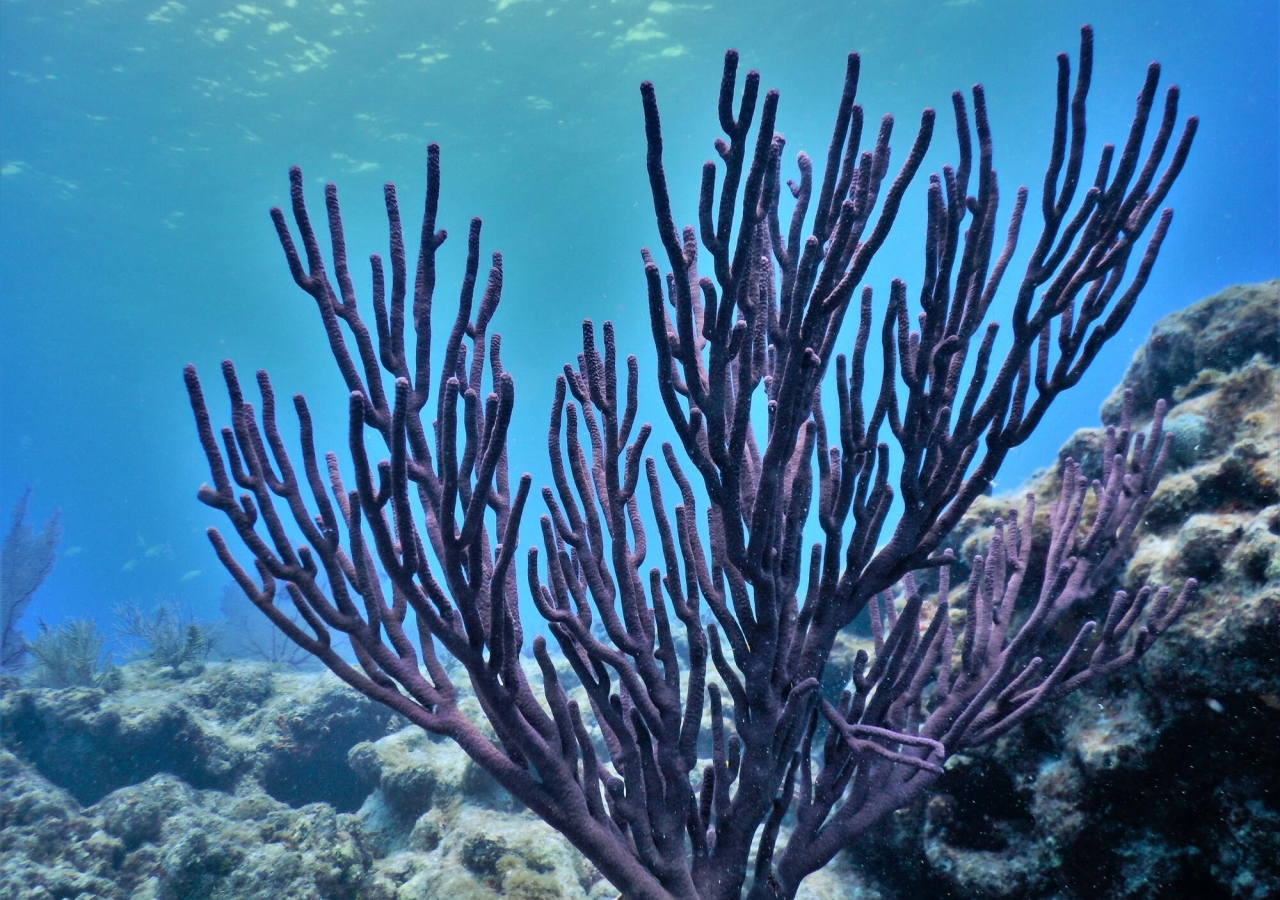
point(247, 781)
point(1165, 783)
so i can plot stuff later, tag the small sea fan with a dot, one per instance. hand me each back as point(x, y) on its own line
point(25, 562)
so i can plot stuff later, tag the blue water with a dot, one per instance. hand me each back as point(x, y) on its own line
point(141, 145)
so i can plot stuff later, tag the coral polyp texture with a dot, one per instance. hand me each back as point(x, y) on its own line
point(749, 365)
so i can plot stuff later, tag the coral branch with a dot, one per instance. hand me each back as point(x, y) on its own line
point(743, 357)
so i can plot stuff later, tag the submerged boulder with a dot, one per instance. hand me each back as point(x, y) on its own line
point(1165, 781)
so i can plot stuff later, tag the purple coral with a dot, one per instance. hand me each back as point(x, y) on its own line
point(750, 347)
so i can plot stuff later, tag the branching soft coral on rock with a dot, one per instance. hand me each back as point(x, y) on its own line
point(742, 361)
point(25, 562)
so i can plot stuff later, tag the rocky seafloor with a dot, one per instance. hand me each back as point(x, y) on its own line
point(246, 781)
point(1163, 782)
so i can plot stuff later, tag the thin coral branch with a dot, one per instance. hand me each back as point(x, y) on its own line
point(410, 547)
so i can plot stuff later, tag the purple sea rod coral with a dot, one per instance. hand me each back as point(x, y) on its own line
point(742, 360)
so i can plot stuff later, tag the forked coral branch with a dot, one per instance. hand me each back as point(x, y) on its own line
point(743, 356)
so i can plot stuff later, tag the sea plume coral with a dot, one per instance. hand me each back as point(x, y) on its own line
point(25, 562)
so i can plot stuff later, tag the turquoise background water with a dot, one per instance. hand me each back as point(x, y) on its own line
point(141, 144)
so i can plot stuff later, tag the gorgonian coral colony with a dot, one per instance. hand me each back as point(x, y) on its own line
point(750, 348)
